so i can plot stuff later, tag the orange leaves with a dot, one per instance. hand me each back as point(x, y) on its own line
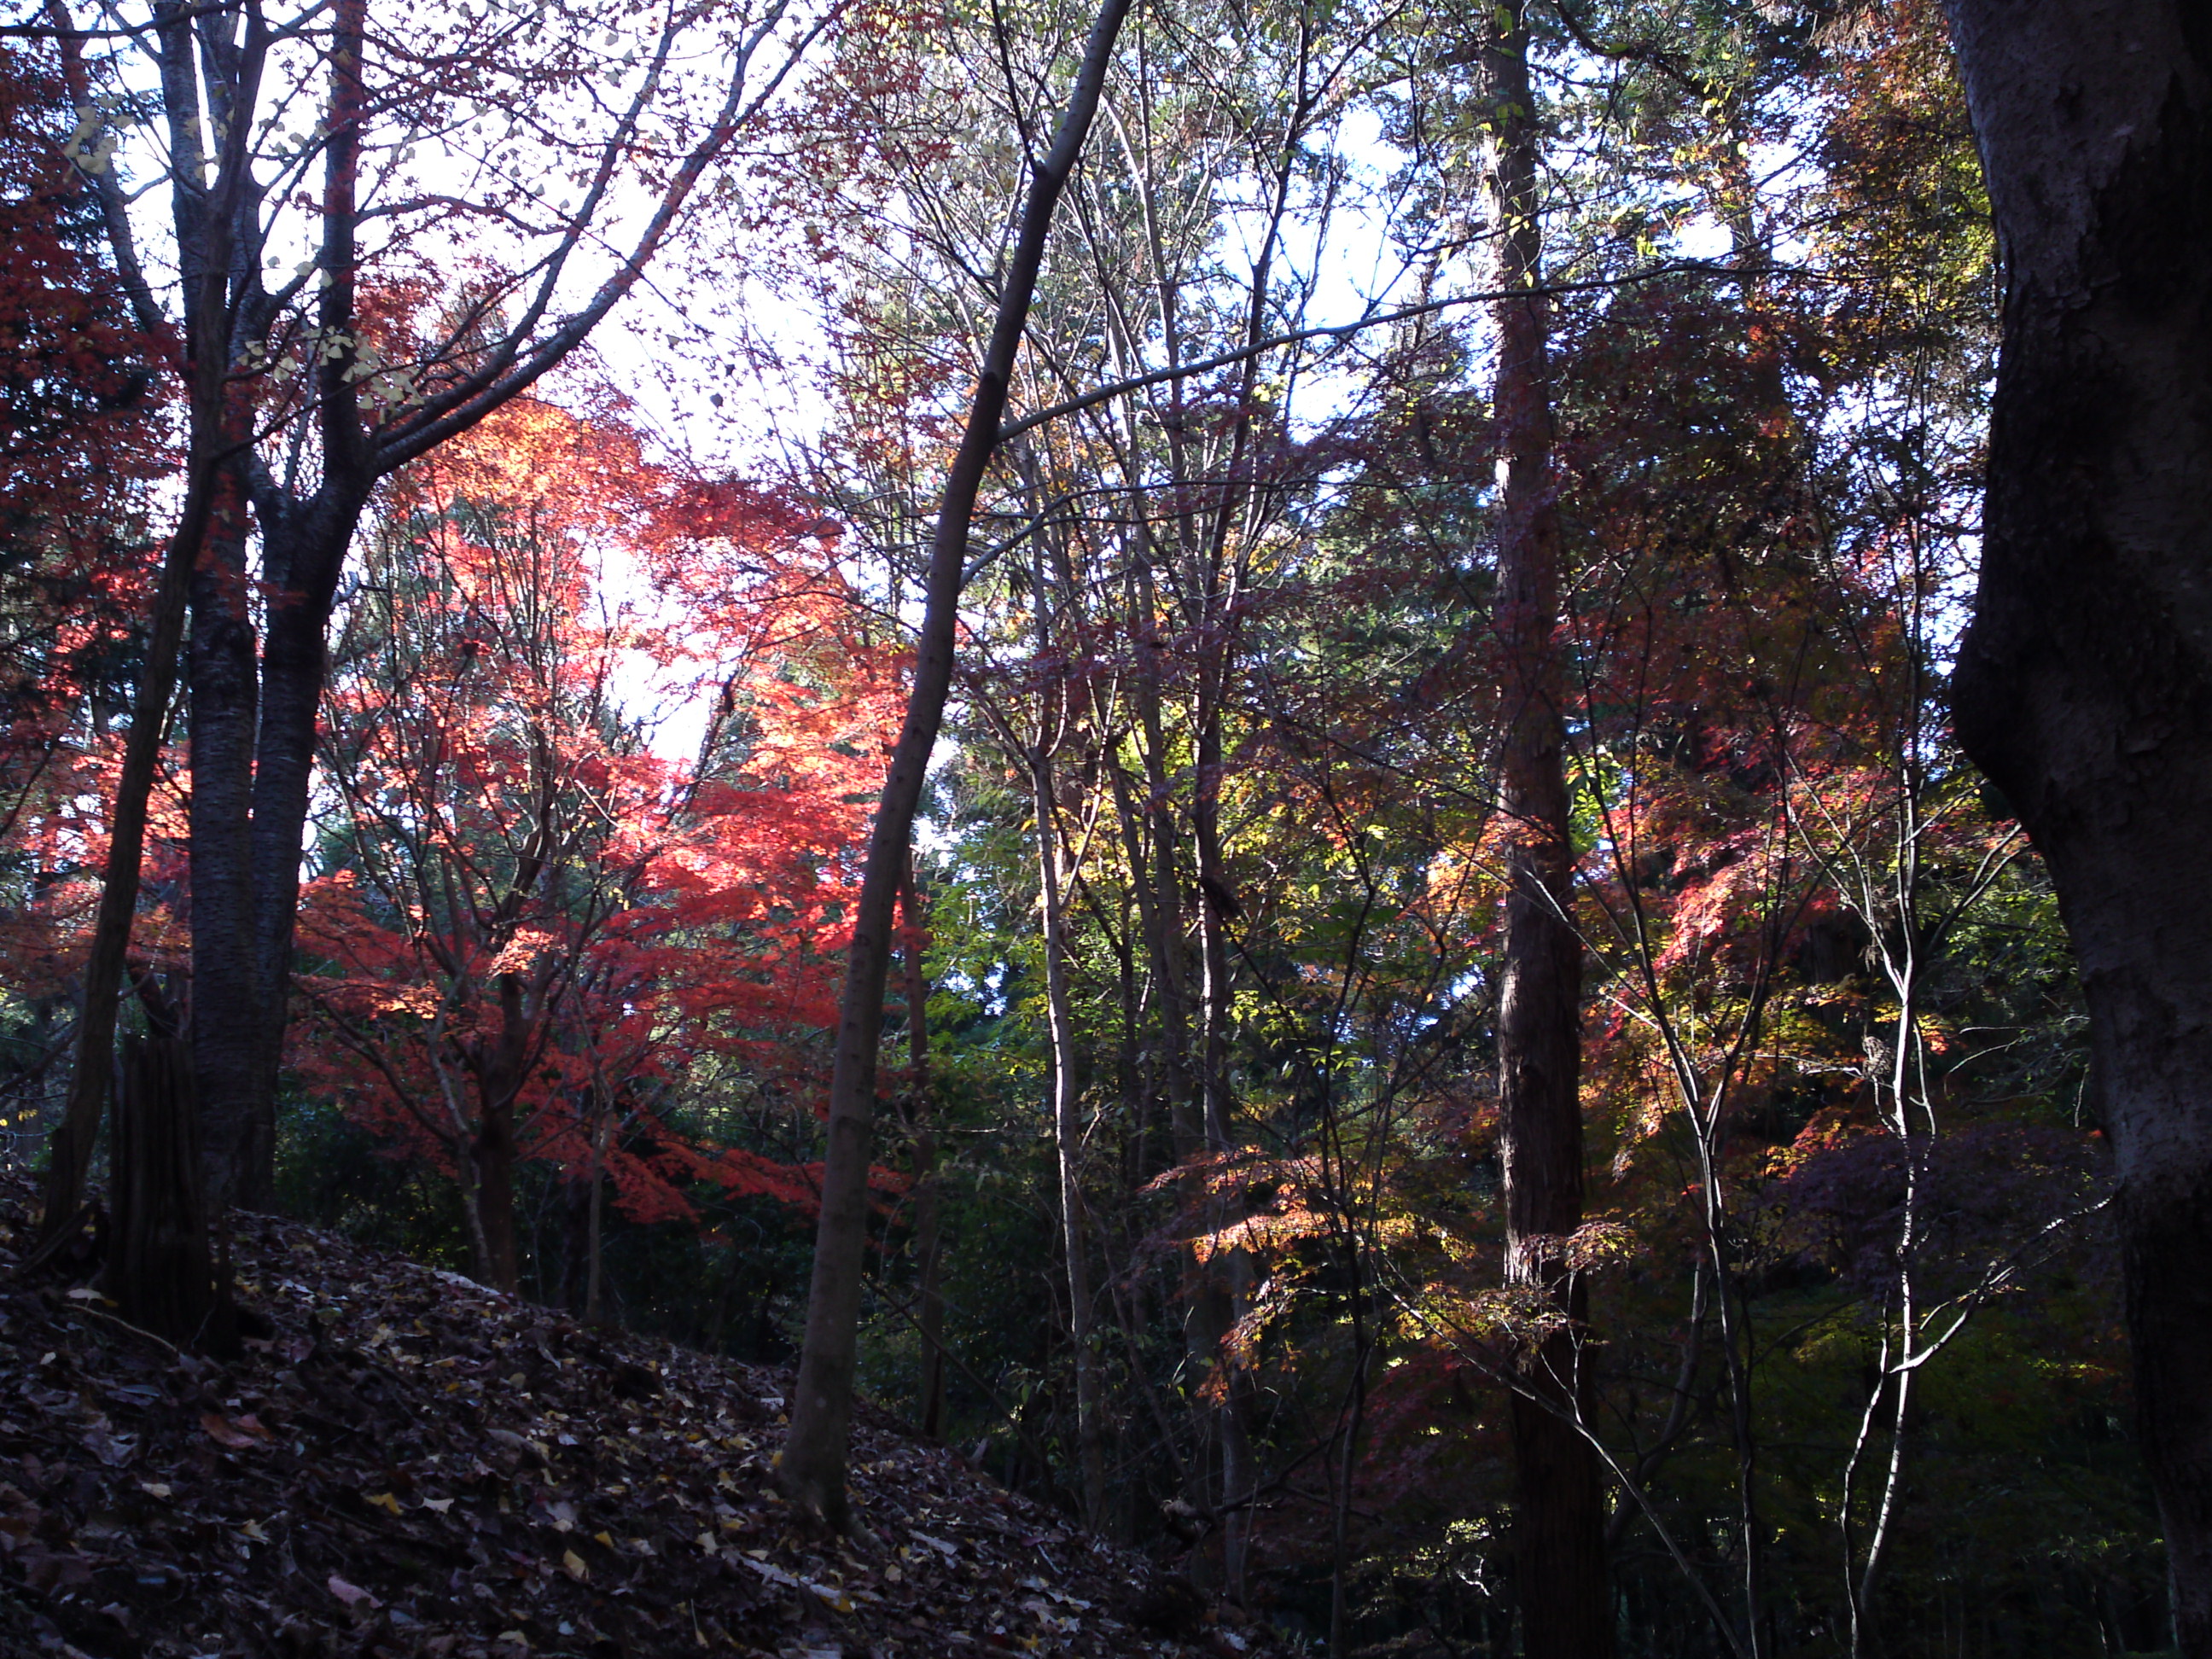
point(523, 949)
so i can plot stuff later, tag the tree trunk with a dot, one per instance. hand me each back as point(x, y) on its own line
point(1157, 876)
point(1566, 1608)
point(813, 1468)
point(595, 1219)
point(927, 1249)
point(304, 575)
point(303, 549)
point(218, 414)
point(1205, 1313)
point(493, 1153)
point(159, 1269)
point(2084, 685)
point(1067, 1137)
point(72, 1141)
point(1226, 1287)
point(499, 1079)
point(223, 690)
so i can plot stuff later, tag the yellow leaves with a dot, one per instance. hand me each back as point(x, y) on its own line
point(1521, 1316)
point(419, 1000)
point(1262, 1234)
point(383, 1500)
point(1593, 1245)
point(1416, 1233)
point(573, 1565)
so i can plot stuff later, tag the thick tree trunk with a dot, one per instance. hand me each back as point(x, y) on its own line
point(303, 549)
point(249, 827)
point(812, 1470)
point(224, 688)
point(160, 1270)
point(493, 1153)
point(305, 577)
point(1566, 1605)
point(219, 416)
point(2084, 685)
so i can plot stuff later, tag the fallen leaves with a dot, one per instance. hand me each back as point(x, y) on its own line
point(241, 1436)
point(372, 1479)
point(352, 1594)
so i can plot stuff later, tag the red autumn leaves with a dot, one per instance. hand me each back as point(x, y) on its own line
point(539, 936)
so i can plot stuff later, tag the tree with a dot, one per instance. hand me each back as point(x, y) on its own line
point(813, 1467)
point(531, 928)
point(419, 309)
point(1566, 1604)
point(78, 440)
point(2085, 680)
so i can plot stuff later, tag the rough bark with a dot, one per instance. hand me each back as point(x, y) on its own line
point(2084, 685)
point(304, 545)
point(812, 1469)
point(303, 555)
point(160, 1269)
point(1566, 1606)
point(223, 697)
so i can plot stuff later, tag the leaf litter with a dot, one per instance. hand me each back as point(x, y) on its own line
point(405, 1465)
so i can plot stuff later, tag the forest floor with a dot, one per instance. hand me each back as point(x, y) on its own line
point(407, 1465)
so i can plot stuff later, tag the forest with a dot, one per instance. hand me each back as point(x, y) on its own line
point(1402, 797)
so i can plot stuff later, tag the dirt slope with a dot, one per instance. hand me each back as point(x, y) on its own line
point(407, 1465)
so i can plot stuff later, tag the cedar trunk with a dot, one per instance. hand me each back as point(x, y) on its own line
point(1566, 1606)
point(2084, 685)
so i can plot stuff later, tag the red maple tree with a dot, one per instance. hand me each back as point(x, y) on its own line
point(535, 937)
